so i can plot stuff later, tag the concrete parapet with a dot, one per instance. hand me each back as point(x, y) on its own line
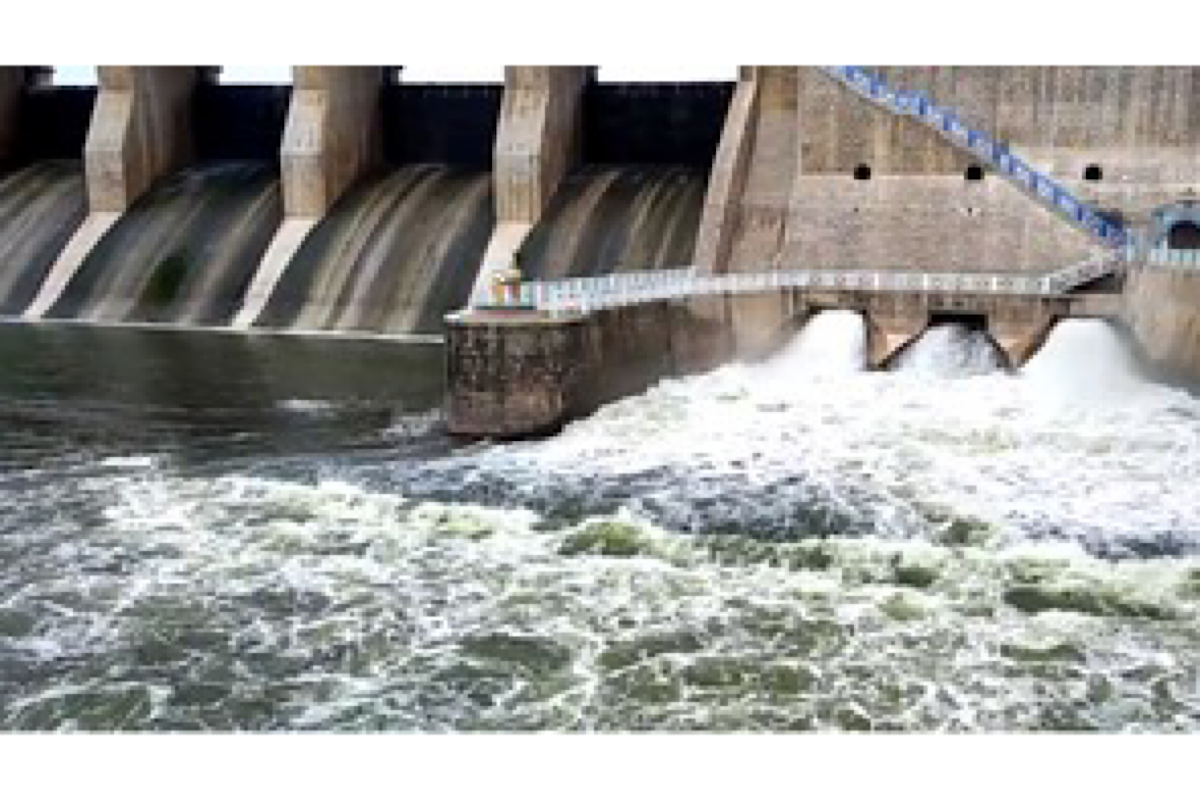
point(333, 135)
point(12, 80)
point(140, 129)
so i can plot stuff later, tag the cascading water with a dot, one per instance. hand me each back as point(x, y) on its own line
point(613, 219)
point(40, 207)
point(394, 255)
point(1085, 359)
point(184, 253)
point(831, 343)
point(950, 350)
point(797, 544)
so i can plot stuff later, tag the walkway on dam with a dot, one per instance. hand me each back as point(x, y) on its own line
point(1117, 245)
point(631, 288)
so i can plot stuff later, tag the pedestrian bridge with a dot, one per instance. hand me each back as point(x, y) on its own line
point(583, 295)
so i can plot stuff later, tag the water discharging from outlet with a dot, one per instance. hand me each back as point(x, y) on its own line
point(616, 219)
point(394, 255)
point(184, 253)
point(40, 207)
point(951, 350)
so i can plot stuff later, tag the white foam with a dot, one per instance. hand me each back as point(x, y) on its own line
point(946, 351)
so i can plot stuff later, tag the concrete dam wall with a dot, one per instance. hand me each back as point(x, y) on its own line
point(351, 202)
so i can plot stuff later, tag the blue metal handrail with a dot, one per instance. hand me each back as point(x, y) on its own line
point(947, 123)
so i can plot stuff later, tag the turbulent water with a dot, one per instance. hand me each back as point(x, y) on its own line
point(394, 255)
point(184, 252)
point(614, 219)
point(40, 207)
point(262, 533)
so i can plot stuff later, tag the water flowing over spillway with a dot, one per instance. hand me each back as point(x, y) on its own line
point(184, 253)
point(40, 207)
point(798, 544)
point(614, 219)
point(394, 255)
point(950, 350)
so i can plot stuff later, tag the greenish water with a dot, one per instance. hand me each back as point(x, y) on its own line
point(217, 532)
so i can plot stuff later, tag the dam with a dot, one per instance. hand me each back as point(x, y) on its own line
point(350, 202)
point(818, 399)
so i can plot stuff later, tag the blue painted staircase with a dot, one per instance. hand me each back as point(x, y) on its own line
point(947, 124)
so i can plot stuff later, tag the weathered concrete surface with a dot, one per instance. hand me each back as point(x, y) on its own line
point(12, 80)
point(538, 141)
point(1136, 122)
point(141, 129)
point(1162, 309)
point(513, 376)
point(771, 169)
point(926, 224)
point(727, 178)
point(783, 194)
point(333, 134)
point(516, 378)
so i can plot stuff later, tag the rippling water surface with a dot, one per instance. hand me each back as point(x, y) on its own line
point(207, 531)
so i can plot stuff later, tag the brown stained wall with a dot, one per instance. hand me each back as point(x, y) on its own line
point(1162, 309)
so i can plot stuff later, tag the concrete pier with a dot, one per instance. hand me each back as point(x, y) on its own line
point(333, 135)
point(141, 129)
point(515, 375)
point(537, 144)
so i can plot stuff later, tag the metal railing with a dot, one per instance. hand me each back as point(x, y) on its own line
point(1095, 266)
point(1173, 259)
point(582, 295)
point(946, 123)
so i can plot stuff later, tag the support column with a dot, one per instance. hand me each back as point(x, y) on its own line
point(1020, 335)
point(888, 333)
point(537, 143)
point(727, 179)
point(333, 136)
point(751, 183)
point(141, 129)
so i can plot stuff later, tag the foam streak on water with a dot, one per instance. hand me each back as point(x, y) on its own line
point(793, 545)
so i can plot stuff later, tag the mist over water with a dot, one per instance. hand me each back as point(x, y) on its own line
point(800, 544)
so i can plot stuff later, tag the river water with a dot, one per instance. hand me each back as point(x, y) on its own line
point(208, 531)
